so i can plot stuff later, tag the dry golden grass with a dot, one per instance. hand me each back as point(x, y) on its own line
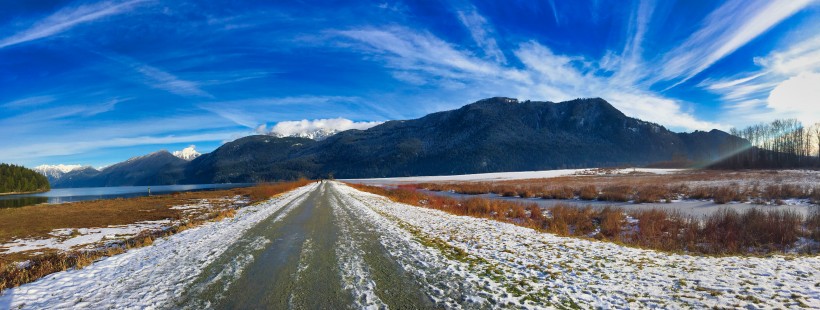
point(38, 221)
point(722, 186)
point(728, 232)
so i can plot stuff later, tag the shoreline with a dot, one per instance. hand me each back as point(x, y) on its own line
point(24, 193)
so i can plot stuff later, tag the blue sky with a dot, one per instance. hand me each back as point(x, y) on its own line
point(89, 82)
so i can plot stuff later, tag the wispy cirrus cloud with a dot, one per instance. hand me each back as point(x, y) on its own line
point(785, 85)
point(158, 78)
point(544, 75)
point(722, 32)
point(28, 102)
point(630, 63)
point(64, 148)
point(62, 111)
point(554, 12)
point(67, 18)
point(481, 32)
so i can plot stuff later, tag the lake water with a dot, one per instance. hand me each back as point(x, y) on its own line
point(60, 195)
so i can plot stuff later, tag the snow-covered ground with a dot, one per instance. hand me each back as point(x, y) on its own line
point(67, 239)
point(517, 265)
point(148, 277)
point(498, 176)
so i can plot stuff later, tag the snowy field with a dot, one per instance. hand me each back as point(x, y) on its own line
point(514, 266)
point(499, 176)
point(457, 262)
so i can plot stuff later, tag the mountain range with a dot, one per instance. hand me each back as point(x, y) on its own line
point(490, 135)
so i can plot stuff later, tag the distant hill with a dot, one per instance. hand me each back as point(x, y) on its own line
point(18, 179)
point(254, 159)
point(491, 135)
point(158, 168)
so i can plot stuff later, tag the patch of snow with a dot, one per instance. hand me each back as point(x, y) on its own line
point(64, 241)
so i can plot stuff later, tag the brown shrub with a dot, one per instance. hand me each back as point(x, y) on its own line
point(701, 193)
point(621, 193)
point(509, 193)
point(563, 192)
point(588, 192)
point(612, 221)
point(570, 220)
point(813, 223)
point(526, 192)
point(728, 231)
point(652, 193)
point(726, 194)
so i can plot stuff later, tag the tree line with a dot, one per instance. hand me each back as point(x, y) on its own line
point(783, 143)
point(15, 179)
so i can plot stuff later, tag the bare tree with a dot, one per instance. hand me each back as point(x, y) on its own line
point(817, 137)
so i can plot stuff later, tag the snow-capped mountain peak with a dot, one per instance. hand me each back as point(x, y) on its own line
point(188, 153)
point(317, 134)
point(46, 169)
point(54, 172)
point(318, 129)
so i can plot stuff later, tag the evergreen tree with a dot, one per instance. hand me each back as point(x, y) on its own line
point(15, 179)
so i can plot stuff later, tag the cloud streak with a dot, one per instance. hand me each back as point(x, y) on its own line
point(481, 32)
point(721, 34)
point(784, 86)
point(544, 75)
point(158, 78)
point(67, 18)
point(77, 147)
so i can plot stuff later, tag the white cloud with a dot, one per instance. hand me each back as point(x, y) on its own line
point(481, 32)
point(67, 18)
point(799, 96)
point(544, 75)
point(802, 56)
point(630, 64)
point(188, 153)
point(726, 29)
point(318, 128)
point(406, 49)
point(785, 86)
